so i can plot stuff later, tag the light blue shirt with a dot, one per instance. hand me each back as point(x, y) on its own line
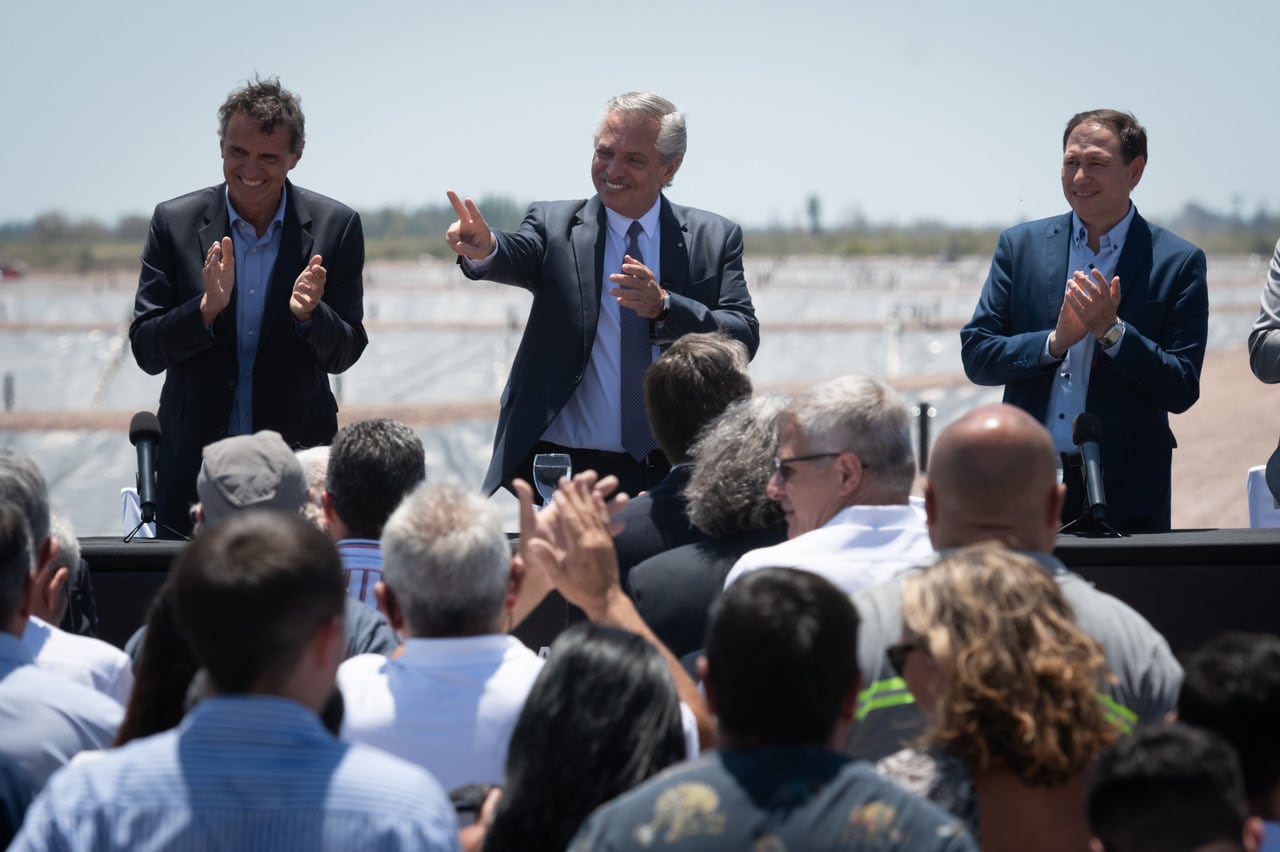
point(592, 418)
point(245, 773)
point(255, 260)
point(47, 718)
point(1071, 378)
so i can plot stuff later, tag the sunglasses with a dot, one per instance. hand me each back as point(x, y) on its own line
point(898, 654)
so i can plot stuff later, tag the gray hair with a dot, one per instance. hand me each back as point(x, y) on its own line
point(22, 483)
point(727, 492)
point(673, 136)
point(862, 415)
point(315, 464)
point(17, 557)
point(447, 559)
point(64, 534)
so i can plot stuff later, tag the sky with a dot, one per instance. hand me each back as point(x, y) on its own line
point(894, 111)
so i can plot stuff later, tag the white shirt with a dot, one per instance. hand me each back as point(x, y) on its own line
point(859, 547)
point(448, 705)
point(90, 661)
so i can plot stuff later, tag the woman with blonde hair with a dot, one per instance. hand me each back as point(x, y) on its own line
point(1009, 683)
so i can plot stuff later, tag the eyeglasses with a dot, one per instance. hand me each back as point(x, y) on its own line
point(898, 654)
point(784, 472)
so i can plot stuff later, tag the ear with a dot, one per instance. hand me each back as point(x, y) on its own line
point(1254, 829)
point(850, 467)
point(326, 508)
point(515, 581)
point(704, 668)
point(389, 606)
point(329, 644)
point(1095, 845)
point(55, 595)
point(1136, 167)
point(671, 169)
point(1053, 507)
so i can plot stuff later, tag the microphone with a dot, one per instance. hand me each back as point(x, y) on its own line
point(144, 433)
point(1086, 433)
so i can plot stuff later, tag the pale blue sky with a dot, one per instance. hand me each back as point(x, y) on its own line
point(900, 110)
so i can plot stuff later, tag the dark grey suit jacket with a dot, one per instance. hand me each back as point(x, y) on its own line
point(290, 376)
point(558, 254)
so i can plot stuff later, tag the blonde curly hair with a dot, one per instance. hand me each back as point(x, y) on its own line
point(1021, 678)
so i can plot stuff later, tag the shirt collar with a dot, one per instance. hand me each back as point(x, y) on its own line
point(1112, 240)
point(276, 220)
point(649, 221)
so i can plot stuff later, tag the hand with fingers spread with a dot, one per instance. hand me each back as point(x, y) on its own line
point(637, 289)
point(469, 236)
point(308, 289)
point(219, 279)
point(582, 562)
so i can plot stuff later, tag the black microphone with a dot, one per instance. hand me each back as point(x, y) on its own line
point(144, 433)
point(1086, 433)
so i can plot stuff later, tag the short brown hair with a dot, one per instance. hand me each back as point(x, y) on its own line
point(270, 105)
point(691, 384)
point(1132, 135)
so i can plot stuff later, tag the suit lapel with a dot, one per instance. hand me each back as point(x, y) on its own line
point(295, 250)
point(217, 224)
point(1134, 267)
point(675, 249)
point(1057, 248)
point(587, 241)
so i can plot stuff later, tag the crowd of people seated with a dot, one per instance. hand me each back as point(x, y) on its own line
point(783, 648)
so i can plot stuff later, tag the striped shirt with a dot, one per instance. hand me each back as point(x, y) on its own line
point(361, 567)
point(246, 773)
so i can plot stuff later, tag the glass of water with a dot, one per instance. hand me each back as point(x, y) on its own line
point(547, 470)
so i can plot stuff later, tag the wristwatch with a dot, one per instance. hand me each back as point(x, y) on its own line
point(666, 307)
point(1112, 335)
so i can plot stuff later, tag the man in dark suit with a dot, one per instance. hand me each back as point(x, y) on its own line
point(614, 278)
point(1124, 338)
point(250, 294)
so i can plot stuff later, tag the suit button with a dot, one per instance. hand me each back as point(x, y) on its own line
point(577, 378)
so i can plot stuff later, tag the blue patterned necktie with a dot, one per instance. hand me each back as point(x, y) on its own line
point(636, 356)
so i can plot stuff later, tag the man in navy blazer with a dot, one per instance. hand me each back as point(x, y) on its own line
point(250, 295)
point(1122, 338)
point(569, 389)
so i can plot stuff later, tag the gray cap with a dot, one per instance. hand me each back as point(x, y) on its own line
point(256, 471)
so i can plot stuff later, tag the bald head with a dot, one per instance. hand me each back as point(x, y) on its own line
point(993, 475)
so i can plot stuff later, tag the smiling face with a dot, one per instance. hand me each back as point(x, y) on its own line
point(627, 170)
point(255, 165)
point(1095, 178)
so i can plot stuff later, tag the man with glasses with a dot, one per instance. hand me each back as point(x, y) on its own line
point(843, 477)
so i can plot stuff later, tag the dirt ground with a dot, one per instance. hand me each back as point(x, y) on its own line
point(1233, 427)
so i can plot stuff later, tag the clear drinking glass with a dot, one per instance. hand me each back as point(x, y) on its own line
point(547, 470)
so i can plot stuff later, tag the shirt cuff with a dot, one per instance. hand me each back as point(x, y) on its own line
point(1046, 358)
point(481, 265)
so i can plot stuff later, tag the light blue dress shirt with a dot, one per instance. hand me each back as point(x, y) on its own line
point(47, 718)
point(244, 773)
point(255, 260)
point(1071, 378)
point(592, 418)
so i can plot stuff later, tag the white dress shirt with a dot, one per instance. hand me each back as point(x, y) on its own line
point(859, 547)
point(448, 705)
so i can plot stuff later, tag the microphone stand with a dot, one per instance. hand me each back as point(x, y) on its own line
point(1092, 523)
point(148, 513)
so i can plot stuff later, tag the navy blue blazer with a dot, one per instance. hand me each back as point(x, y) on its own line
point(290, 376)
point(557, 253)
point(1164, 302)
